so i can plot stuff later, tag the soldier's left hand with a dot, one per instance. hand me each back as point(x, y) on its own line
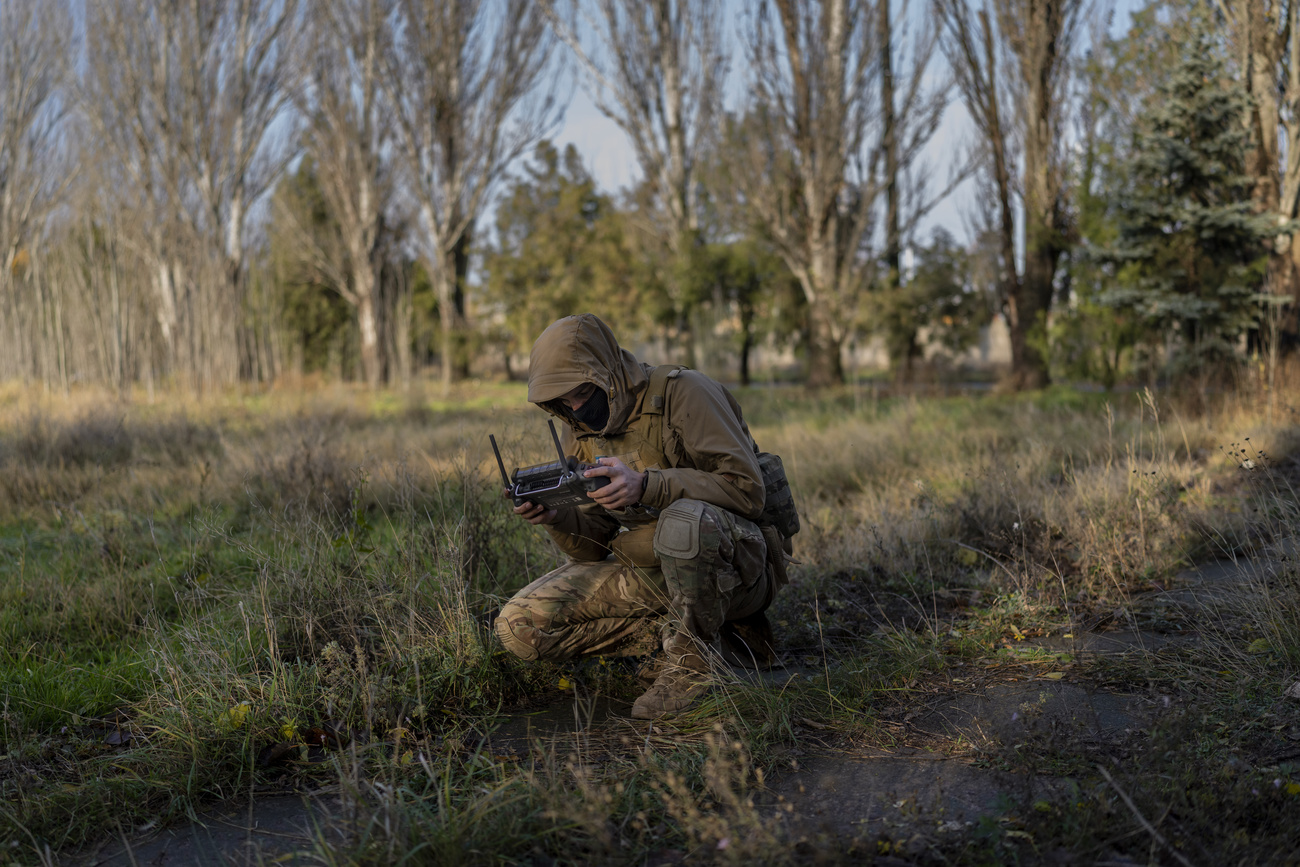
point(625, 484)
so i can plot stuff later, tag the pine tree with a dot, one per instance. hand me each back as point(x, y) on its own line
point(1190, 251)
point(560, 248)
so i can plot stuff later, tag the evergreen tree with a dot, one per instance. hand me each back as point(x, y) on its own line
point(1190, 251)
point(560, 248)
point(1089, 340)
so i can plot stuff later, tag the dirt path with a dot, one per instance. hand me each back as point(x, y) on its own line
point(280, 829)
point(941, 776)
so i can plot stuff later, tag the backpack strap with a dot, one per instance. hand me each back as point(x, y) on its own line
point(654, 404)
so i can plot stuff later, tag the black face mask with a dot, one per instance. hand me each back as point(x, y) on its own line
point(595, 412)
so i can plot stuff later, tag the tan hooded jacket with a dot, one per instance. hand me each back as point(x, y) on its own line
point(707, 445)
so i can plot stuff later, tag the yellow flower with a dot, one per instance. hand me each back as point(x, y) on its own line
point(238, 715)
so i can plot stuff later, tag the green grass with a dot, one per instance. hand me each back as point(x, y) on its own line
point(210, 578)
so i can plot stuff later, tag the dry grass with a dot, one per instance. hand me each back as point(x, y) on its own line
point(330, 556)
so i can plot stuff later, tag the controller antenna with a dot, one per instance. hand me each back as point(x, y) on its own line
point(559, 450)
point(505, 479)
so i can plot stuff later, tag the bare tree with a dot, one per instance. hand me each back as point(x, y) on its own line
point(185, 95)
point(464, 78)
point(1012, 63)
point(348, 134)
point(91, 266)
point(970, 44)
point(807, 175)
point(124, 98)
point(34, 167)
point(80, 318)
point(889, 141)
point(658, 68)
point(912, 104)
point(832, 128)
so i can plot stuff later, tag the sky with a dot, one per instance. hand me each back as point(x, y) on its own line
point(609, 156)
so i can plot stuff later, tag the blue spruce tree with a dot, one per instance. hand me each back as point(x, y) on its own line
point(1190, 253)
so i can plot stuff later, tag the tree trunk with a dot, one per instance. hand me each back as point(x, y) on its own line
point(903, 362)
point(1285, 274)
point(165, 289)
point(448, 322)
point(450, 283)
point(746, 341)
point(460, 261)
point(685, 336)
point(1284, 264)
point(889, 143)
point(991, 113)
point(1033, 296)
point(368, 323)
point(400, 330)
point(1042, 193)
point(1261, 48)
point(1029, 368)
point(824, 366)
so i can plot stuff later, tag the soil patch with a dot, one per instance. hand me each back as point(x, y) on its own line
point(850, 796)
point(283, 829)
point(1006, 712)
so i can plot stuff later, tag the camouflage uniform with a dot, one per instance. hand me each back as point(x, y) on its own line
point(672, 569)
point(711, 569)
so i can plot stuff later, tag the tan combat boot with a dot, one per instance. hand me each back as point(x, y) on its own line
point(676, 690)
point(649, 671)
point(682, 682)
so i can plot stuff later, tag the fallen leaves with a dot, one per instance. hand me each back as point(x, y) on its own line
point(118, 729)
point(119, 737)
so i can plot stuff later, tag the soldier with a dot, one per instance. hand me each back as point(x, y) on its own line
point(674, 553)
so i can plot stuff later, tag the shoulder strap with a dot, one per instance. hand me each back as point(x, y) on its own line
point(653, 405)
point(654, 396)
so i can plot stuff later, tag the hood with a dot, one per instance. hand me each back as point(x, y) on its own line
point(580, 349)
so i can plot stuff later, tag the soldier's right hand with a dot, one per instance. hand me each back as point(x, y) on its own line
point(535, 514)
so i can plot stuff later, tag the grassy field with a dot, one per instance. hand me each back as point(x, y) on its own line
point(195, 595)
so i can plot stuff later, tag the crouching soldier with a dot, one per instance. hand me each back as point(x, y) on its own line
point(677, 552)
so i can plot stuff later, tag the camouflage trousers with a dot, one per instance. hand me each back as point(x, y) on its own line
point(711, 568)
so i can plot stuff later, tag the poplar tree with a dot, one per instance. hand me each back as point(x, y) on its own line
point(1013, 61)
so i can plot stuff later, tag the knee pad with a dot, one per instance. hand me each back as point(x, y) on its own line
point(677, 535)
point(514, 627)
